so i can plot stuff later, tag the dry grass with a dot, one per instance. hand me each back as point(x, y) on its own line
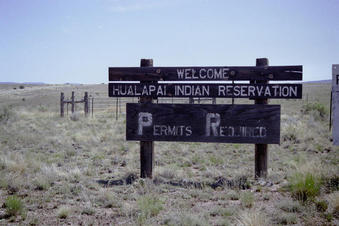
point(53, 164)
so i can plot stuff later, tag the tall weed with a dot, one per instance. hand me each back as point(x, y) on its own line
point(304, 186)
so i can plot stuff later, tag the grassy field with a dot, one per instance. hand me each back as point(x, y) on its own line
point(81, 171)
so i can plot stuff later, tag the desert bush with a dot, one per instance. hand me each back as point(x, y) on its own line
point(286, 218)
point(87, 210)
point(216, 160)
point(41, 183)
point(21, 87)
point(247, 199)
point(224, 212)
point(107, 199)
point(321, 205)
point(149, 206)
point(75, 116)
point(63, 212)
point(331, 182)
point(14, 206)
point(3, 164)
point(252, 218)
point(233, 195)
point(304, 186)
point(290, 206)
point(42, 108)
point(334, 203)
point(317, 109)
point(290, 134)
point(168, 173)
point(186, 219)
point(6, 113)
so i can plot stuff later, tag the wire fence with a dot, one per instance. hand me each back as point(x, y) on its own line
point(118, 105)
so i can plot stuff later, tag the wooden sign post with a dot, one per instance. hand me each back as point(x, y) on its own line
point(260, 157)
point(258, 124)
point(146, 147)
point(335, 103)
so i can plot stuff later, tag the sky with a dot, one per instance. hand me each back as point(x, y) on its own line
point(75, 41)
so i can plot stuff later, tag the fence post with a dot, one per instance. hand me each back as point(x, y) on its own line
point(331, 100)
point(116, 109)
point(73, 105)
point(146, 147)
point(62, 110)
point(261, 150)
point(86, 103)
point(92, 105)
point(119, 106)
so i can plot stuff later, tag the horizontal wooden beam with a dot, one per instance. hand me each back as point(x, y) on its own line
point(204, 123)
point(276, 91)
point(278, 73)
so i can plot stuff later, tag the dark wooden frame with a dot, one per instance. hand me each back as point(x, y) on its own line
point(277, 73)
point(257, 75)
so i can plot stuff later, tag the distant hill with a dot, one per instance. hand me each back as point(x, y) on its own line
point(28, 83)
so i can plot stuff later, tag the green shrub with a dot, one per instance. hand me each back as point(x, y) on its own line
point(216, 160)
point(290, 206)
point(6, 113)
point(88, 211)
point(316, 108)
point(220, 211)
point(63, 212)
point(328, 216)
point(286, 218)
point(247, 199)
point(42, 108)
point(149, 206)
point(304, 186)
point(233, 195)
point(321, 206)
point(108, 200)
point(14, 206)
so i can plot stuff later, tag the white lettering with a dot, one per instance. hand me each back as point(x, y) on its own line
point(212, 125)
point(180, 73)
point(251, 91)
point(221, 90)
point(200, 73)
point(144, 119)
point(293, 90)
point(267, 91)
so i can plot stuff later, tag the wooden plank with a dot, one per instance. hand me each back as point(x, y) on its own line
point(276, 91)
point(86, 104)
point(203, 123)
point(278, 73)
point(335, 103)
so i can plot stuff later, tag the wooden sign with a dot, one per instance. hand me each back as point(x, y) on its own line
point(285, 91)
point(335, 103)
point(204, 123)
point(205, 73)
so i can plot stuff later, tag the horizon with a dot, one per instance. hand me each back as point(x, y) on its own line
point(75, 42)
